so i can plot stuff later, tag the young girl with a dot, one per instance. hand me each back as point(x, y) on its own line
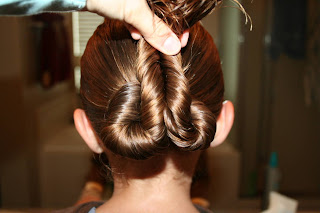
point(152, 114)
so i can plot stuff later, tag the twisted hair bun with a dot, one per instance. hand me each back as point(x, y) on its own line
point(140, 101)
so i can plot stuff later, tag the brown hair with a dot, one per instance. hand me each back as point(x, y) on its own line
point(141, 101)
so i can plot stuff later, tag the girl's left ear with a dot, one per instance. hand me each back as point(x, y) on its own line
point(86, 131)
point(224, 123)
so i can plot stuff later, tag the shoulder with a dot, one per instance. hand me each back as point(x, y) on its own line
point(202, 209)
point(82, 208)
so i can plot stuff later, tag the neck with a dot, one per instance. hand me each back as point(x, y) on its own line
point(164, 187)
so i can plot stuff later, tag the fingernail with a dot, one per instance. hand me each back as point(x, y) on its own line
point(172, 45)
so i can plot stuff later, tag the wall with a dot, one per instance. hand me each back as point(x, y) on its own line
point(295, 130)
point(15, 148)
point(26, 110)
point(250, 80)
point(273, 116)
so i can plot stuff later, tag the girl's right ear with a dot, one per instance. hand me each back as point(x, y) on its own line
point(224, 123)
point(86, 131)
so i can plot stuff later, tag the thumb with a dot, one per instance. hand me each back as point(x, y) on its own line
point(153, 29)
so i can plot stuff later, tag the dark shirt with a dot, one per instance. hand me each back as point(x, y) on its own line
point(86, 207)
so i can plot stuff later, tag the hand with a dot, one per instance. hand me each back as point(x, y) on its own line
point(141, 21)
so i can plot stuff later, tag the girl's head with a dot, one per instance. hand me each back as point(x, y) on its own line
point(140, 103)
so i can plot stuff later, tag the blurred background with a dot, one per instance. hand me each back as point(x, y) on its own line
point(272, 75)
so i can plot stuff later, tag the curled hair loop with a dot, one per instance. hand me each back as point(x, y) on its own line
point(205, 123)
point(124, 132)
point(190, 125)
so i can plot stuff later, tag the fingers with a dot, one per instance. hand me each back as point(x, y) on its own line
point(163, 39)
point(152, 28)
point(135, 34)
point(184, 38)
point(141, 21)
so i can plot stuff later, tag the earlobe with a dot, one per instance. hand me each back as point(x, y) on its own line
point(224, 123)
point(86, 131)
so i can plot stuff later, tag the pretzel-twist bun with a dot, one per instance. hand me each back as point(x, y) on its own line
point(140, 101)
